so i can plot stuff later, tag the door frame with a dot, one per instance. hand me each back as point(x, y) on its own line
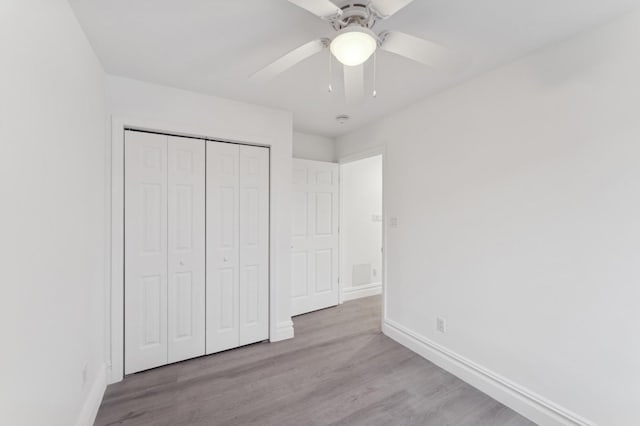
point(114, 287)
point(361, 155)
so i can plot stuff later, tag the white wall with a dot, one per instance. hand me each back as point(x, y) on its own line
point(313, 147)
point(155, 107)
point(361, 227)
point(52, 220)
point(518, 200)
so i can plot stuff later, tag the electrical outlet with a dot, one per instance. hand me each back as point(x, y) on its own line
point(441, 325)
point(393, 222)
point(374, 272)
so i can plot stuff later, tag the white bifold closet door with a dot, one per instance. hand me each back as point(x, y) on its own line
point(164, 249)
point(186, 246)
point(237, 245)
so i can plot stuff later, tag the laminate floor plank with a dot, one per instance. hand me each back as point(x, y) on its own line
point(338, 370)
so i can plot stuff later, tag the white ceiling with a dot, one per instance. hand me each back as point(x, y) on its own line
point(212, 46)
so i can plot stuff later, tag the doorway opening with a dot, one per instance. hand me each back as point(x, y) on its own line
point(361, 228)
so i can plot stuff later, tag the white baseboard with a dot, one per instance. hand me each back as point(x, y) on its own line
point(529, 404)
point(351, 293)
point(92, 403)
point(112, 377)
point(283, 331)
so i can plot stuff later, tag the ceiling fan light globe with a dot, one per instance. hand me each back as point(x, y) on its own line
point(353, 46)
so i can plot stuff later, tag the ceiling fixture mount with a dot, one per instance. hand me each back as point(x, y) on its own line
point(355, 42)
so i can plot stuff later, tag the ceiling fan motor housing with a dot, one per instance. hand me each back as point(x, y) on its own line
point(354, 14)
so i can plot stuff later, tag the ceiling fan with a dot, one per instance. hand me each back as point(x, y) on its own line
point(355, 42)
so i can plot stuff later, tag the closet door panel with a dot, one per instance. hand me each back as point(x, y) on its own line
point(254, 244)
point(145, 251)
point(222, 246)
point(186, 248)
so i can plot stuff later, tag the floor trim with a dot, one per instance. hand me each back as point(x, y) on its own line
point(518, 398)
point(284, 331)
point(356, 292)
point(89, 411)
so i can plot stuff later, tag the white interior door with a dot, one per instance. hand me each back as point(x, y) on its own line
point(186, 248)
point(315, 239)
point(145, 251)
point(223, 205)
point(254, 244)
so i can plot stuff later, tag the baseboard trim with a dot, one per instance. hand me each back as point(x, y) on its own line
point(87, 416)
point(351, 293)
point(531, 405)
point(283, 331)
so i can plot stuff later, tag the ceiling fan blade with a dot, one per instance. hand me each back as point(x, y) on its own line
point(354, 84)
point(322, 8)
point(386, 8)
point(290, 59)
point(420, 50)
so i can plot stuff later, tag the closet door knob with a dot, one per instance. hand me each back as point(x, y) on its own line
point(181, 262)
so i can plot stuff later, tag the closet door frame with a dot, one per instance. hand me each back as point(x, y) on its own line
point(280, 324)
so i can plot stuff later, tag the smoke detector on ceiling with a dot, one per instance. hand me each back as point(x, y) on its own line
point(343, 118)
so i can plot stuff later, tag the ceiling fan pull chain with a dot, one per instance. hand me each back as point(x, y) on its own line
point(375, 67)
point(330, 70)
